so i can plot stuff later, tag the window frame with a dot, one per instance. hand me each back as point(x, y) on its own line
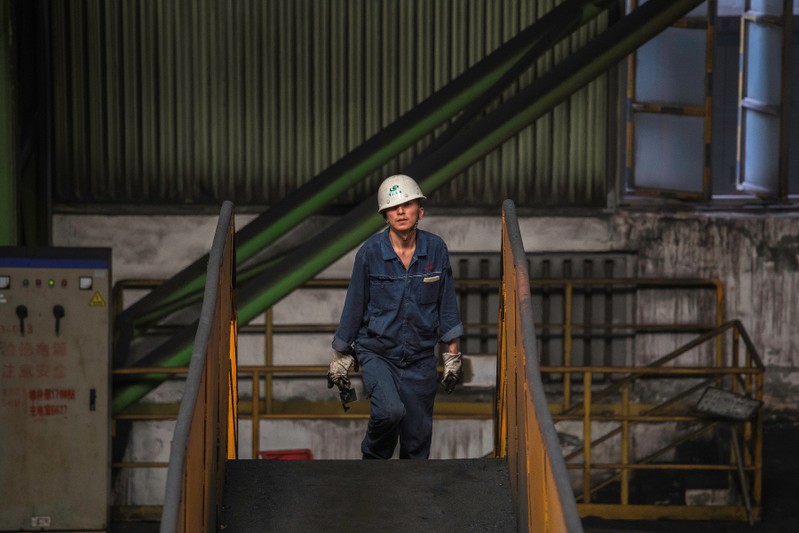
point(633, 107)
point(750, 106)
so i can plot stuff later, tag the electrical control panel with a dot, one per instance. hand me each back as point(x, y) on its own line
point(54, 388)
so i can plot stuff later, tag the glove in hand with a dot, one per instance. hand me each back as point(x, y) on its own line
point(453, 371)
point(337, 373)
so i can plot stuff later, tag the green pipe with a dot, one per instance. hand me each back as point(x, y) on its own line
point(313, 257)
point(370, 156)
point(8, 152)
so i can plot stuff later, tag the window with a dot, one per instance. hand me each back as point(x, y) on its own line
point(683, 106)
point(762, 115)
point(668, 103)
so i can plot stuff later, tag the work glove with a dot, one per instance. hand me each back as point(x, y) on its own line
point(337, 375)
point(453, 370)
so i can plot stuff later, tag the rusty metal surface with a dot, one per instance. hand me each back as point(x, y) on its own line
point(526, 433)
point(206, 423)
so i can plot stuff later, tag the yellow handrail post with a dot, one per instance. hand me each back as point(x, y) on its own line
point(625, 445)
point(233, 397)
point(587, 437)
point(206, 430)
point(758, 481)
point(269, 358)
point(540, 489)
point(255, 415)
point(567, 345)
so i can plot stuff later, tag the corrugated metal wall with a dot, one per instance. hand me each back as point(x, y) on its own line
point(198, 101)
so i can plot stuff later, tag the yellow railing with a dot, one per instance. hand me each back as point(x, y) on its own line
point(206, 434)
point(262, 405)
point(664, 395)
point(525, 431)
point(709, 291)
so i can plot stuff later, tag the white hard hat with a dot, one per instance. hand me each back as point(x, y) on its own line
point(396, 190)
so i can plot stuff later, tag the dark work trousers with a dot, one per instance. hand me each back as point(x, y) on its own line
point(401, 406)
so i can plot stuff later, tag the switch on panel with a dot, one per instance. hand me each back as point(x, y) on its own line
point(22, 314)
point(5, 282)
point(58, 313)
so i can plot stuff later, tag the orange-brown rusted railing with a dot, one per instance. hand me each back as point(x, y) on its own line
point(526, 435)
point(206, 429)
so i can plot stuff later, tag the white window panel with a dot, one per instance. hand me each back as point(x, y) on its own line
point(763, 120)
point(669, 152)
point(669, 110)
point(678, 51)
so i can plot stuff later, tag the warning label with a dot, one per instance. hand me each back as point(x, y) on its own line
point(97, 300)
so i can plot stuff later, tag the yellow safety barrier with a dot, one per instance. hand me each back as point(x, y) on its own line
point(565, 381)
point(206, 429)
point(667, 396)
point(525, 431)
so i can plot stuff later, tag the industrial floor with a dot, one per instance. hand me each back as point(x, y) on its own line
point(440, 496)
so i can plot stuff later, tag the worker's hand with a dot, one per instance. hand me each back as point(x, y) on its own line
point(452, 370)
point(337, 373)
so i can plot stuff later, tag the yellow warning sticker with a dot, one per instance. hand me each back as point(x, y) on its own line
point(97, 300)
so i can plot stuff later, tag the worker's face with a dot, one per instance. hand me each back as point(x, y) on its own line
point(404, 217)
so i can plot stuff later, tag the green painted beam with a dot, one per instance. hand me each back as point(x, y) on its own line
point(8, 153)
point(347, 233)
point(487, 77)
point(562, 81)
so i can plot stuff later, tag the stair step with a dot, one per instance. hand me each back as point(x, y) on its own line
point(355, 495)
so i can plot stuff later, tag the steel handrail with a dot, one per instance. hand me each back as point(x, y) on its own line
point(474, 329)
point(748, 374)
point(194, 480)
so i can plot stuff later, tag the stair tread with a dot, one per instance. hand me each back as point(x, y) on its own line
point(349, 495)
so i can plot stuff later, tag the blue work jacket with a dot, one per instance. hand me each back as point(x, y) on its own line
point(397, 313)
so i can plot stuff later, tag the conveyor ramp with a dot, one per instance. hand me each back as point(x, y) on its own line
point(355, 495)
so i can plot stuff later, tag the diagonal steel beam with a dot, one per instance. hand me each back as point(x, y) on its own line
point(438, 168)
point(468, 93)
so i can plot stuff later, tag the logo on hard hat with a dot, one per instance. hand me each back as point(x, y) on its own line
point(395, 191)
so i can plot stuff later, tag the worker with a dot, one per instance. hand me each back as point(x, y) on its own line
point(400, 304)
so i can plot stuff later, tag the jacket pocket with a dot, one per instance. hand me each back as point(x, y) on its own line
point(384, 293)
point(428, 289)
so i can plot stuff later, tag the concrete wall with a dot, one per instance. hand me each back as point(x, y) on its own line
point(756, 255)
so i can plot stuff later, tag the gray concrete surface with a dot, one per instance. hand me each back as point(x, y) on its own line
point(355, 495)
